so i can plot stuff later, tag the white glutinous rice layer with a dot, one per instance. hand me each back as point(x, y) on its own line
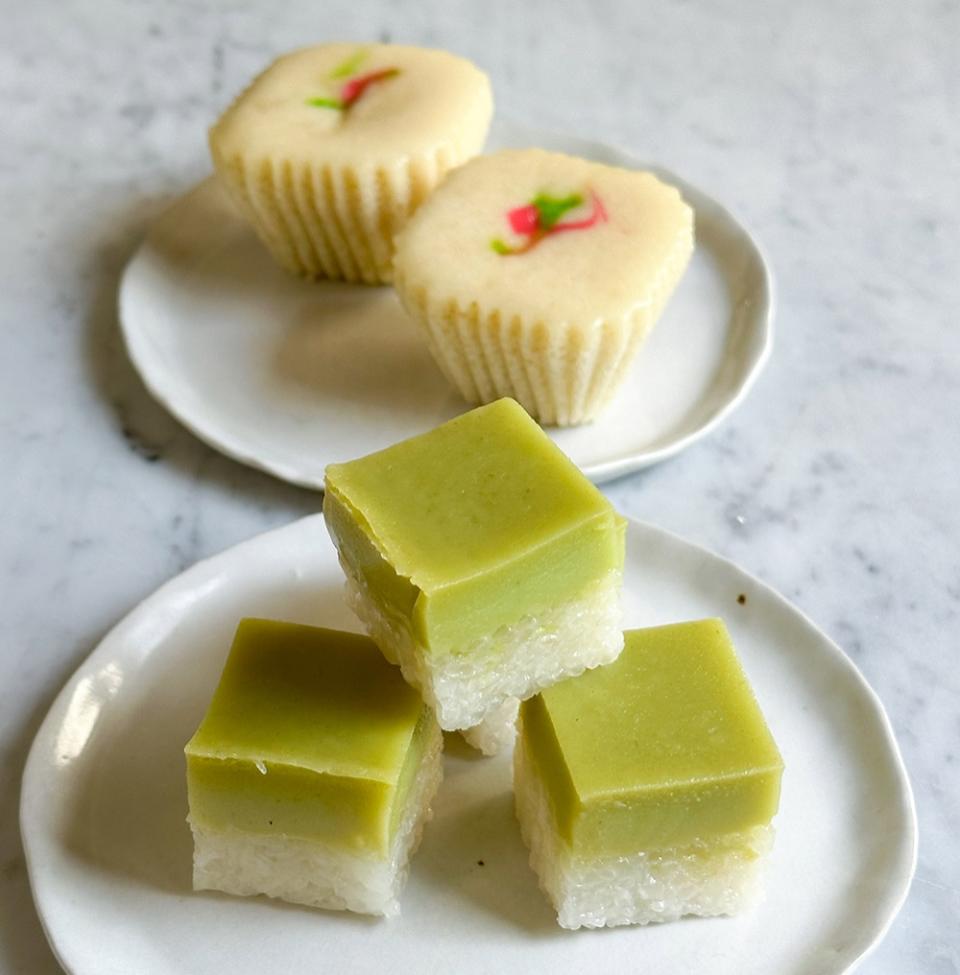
point(722, 876)
point(308, 872)
point(516, 660)
point(497, 730)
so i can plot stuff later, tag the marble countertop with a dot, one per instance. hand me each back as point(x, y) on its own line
point(830, 127)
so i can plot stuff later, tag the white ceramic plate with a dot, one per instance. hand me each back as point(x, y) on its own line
point(288, 375)
point(109, 852)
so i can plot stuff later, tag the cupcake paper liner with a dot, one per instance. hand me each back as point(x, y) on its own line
point(334, 222)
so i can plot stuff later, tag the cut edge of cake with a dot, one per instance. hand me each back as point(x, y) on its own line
point(515, 661)
point(719, 876)
point(317, 874)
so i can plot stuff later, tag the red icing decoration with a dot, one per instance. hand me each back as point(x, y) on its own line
point(597, 215)
point(353, 89)
point(526, 221)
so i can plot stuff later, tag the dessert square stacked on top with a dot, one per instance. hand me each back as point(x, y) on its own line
point(480, 559)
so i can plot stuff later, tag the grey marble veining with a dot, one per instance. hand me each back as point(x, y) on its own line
point(830, 127)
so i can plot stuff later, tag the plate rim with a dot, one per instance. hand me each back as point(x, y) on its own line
point(36, 768)
point(599, 472)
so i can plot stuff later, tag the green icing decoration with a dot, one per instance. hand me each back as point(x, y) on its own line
point(348, 66)
point(551, 208)
point(354, 85)
point(542, 216)
point(321, 102)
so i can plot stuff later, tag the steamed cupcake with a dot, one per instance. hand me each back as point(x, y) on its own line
point(331, 149)
point(537, 276)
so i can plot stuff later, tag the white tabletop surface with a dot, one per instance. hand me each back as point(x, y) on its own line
point(831, 128)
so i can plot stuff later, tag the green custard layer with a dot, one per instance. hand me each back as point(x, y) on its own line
point(664, 746)
point(471, 526)
point(311, 734)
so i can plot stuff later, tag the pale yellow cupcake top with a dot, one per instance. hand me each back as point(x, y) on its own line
point(351, 104)
point(544, 236)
